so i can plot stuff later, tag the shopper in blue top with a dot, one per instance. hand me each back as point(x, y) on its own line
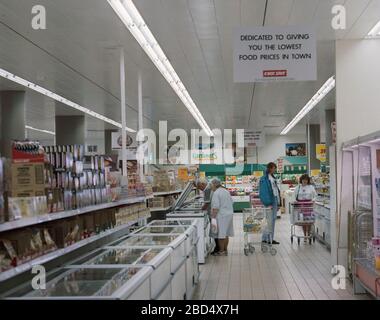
point(270, 197)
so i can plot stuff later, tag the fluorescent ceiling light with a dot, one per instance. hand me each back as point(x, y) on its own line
point(322, 92)
point(40, 130)
point(135, 23)
point(10, 76)
point(375, 31)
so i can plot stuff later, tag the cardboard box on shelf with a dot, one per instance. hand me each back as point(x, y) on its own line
point(27, 176)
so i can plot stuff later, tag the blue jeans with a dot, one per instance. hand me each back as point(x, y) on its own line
point(268, 236)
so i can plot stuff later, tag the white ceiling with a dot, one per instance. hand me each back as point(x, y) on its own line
point(74, 57)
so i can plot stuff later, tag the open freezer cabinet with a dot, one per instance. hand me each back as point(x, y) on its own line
point(90, 283)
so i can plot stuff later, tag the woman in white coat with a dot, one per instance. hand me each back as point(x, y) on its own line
point(305, 192)
point(222, 210)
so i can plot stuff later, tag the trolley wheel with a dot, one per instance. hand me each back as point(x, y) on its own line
point(291, 240)
point(298, 241)
point(273, 251)
point(251, 249)
point(246, 251)
point(264, 248)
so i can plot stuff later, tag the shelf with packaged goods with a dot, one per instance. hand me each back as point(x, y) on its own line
point(5, 275)
point(166, 193)
point(26, 222)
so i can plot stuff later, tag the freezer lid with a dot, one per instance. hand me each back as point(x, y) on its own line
point(161, 230)
point(134, 283)
point(157, 259)
point(187, 214)
point(151, 240)
point(106, 256)
point(74, 283)
point(150, 256)
point(180, 222)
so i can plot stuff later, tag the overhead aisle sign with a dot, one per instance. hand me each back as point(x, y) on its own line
point(263, 54)
point(254, 138)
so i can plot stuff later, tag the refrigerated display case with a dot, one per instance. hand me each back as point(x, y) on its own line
point(192, 269)
point(361, 194)
point(90, 283)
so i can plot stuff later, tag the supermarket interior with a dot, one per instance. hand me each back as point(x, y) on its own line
point(189, 150)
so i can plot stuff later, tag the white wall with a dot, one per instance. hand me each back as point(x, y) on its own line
point(357, 105)
point(275, 146)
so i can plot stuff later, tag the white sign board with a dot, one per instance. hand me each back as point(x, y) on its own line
point(131, 146)
point(254, 138)
point(280, 165)
point(263, 54)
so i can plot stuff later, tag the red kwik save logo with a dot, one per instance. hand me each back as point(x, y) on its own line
point(275, 73)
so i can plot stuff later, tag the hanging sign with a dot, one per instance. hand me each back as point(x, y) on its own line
point(131, 145)
point(320, 151)
point(254, 138)
point(263, 54)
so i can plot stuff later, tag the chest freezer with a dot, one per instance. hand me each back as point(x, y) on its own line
point(157, 258)
point(203, 230)
point(178, 258)
point(175, 241)
point(89, 283)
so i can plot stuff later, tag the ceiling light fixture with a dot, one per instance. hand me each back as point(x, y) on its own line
point(322, 92)
point(135, 23)
point(375, 32)
point(40, 130)
point(10, 76)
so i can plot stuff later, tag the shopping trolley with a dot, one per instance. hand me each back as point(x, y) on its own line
point(256, 221)
point(302, 214)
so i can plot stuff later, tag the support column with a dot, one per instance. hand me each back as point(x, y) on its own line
point(123, 115)
point(314, 137)
point(140, 116)
point(70, 130)
point(12, 119)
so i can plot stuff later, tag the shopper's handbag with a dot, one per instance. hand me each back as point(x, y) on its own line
point(214, 228)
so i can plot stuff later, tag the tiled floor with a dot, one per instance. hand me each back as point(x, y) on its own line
point(295, 273)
